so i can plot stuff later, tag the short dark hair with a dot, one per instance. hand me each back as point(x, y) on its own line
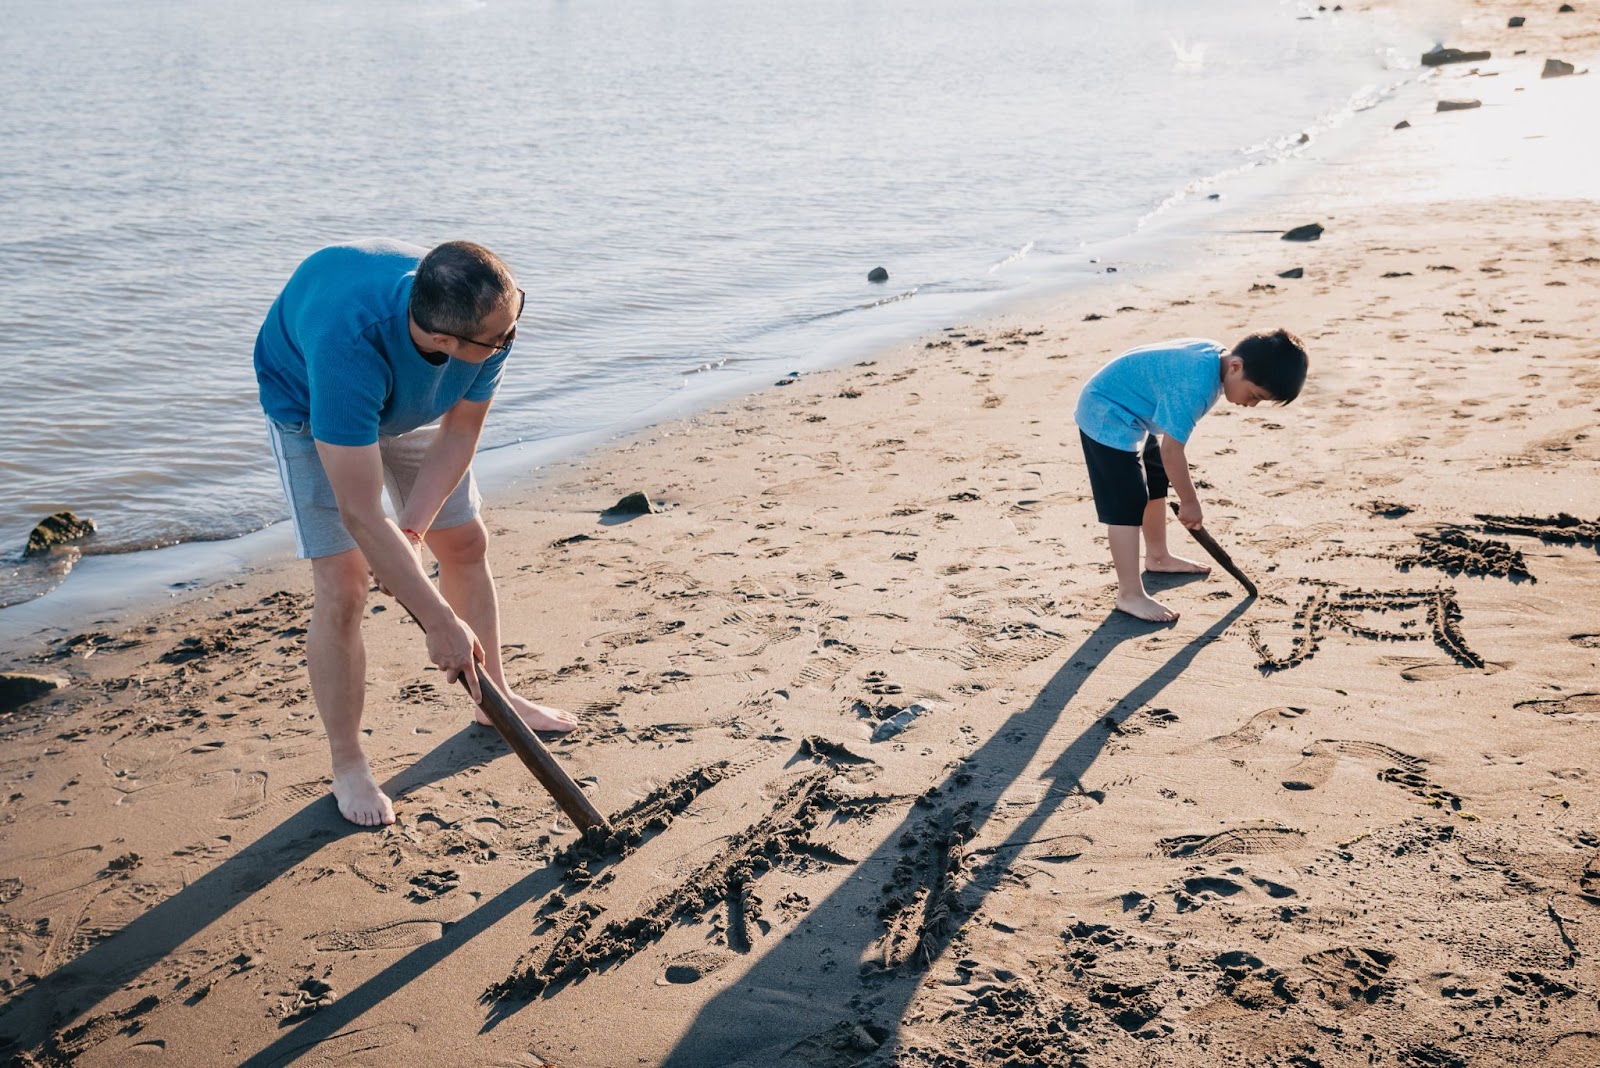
point(1276, 361)
point(458, 285)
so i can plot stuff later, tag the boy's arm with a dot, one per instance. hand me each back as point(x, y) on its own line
point(1176, 464)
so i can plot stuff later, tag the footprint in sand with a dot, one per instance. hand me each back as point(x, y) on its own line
point(1401, 769)
point(1578, 704)
point(397, 934)
point(1238, 841)
point(1257, 725)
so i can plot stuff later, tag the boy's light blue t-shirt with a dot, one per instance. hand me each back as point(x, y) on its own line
point(1155, 389)
point(335, 352)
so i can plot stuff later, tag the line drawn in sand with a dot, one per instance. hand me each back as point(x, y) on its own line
point(579, 944)
point(1321, 614)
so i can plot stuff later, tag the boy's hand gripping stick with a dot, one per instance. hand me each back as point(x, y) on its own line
point(1220, 555)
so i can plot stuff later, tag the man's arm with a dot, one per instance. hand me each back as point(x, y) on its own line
point(445, 465)
point(356, 474)
point(1176, 464)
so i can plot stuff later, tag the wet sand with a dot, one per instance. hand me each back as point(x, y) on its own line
point(893, 785)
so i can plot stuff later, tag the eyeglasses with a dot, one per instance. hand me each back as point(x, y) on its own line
point(495, 348)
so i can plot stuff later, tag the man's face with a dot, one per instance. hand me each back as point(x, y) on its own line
point(493, 336)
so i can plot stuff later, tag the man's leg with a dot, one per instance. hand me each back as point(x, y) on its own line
point(1131, 595)
point(468, 586)
point(337, 662)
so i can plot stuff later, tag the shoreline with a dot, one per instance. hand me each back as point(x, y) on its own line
point(906, 791)
point(131, 585)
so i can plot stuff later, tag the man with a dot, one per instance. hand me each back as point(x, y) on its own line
point(368, 345)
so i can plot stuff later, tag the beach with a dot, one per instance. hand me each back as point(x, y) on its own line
point(893, 783)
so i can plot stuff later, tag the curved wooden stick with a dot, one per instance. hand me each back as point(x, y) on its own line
point(1219, 554)
point(530, 749)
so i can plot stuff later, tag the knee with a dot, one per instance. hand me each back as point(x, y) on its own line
point(467, 543)
point(340, 596)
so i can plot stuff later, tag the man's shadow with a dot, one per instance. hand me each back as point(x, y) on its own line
point(74, 989)
point(806, 983)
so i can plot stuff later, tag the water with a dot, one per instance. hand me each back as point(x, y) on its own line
point(691, 194)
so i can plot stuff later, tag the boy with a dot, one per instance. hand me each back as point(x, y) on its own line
point(1164, 389)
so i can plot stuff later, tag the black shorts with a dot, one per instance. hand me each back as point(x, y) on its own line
point(1122, 488)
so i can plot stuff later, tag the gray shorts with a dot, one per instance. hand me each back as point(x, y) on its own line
point(318, 530)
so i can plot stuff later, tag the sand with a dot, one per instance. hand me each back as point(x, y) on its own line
point(893, 783)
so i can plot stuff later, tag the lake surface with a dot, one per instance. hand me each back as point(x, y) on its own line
point(691, 194)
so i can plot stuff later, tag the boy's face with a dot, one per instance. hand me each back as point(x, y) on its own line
point(1237, 388)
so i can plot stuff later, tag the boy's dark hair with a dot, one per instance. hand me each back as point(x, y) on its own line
point(1276, 361)
point(457, 286)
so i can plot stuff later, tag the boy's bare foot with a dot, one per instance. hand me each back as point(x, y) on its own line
point(1143, 606)
point(1176, 565)
point(537, 717)
point(360, 800)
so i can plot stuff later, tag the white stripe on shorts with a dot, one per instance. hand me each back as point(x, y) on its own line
point(288, 494)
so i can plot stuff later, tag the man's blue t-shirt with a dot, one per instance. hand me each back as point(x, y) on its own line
point(335, 352)
point(1156, 389)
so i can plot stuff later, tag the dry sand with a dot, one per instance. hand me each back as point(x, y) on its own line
point(1353, 821)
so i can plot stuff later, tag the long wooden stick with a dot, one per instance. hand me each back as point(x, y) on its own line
point(530, 749)
point(1219, 554)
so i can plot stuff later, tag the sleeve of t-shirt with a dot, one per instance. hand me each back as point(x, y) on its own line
point(349, 382)
point(488, 379)
point(1182, 400)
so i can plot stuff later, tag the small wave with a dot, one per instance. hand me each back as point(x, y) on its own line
point(1013, 258)
point(1287, 146)
point(26, 578)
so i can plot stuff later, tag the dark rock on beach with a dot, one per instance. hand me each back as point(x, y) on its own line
point(1515, 21)
point(1308, 232)
point(1440, 56)
point(1565, 9)
point(1458, 105)
point(57, 530)
point(635, 503)
point(1402, 125)
point(17, 690)
point(1557, 68)
point(1293, 272)
point(878, 274)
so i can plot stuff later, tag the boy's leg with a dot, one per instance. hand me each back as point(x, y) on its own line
point(1157, 556)
point(336, 660)
point(1120, 500)
point(1131, 595)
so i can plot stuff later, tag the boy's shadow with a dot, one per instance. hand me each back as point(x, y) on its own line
point(789, 1000)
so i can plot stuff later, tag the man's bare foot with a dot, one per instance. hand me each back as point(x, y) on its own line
point(360, 800)
point(1176, 565)
point(1143, 606)
point(537, 717)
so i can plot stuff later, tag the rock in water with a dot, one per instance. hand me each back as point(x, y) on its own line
point(1403, 124)
point(1441, 55)
point(1557, 68)
point(1308, 232)
point(17, 690)
point(1458, 105)
point(56, 530)
point(635, 503)
point(877, 274)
